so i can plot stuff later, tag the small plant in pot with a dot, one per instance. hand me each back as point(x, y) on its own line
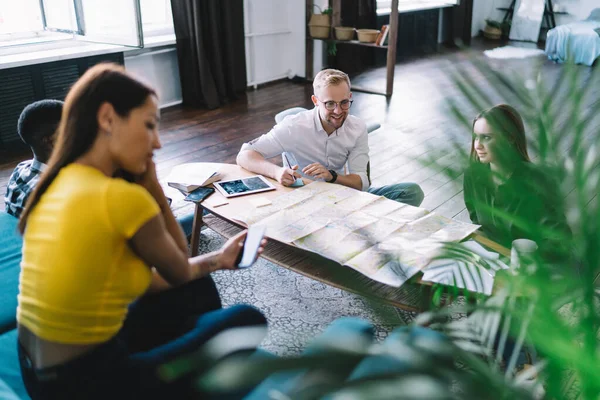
point(493, 29)
point(319, 25)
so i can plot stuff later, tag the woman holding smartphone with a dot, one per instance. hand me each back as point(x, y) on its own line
point(104, 259)
point(505, 193)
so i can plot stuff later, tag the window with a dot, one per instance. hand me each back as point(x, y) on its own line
point(385, 6)
point(20, 16)
point(107, 21)
point(157, 17)
point(21, 22)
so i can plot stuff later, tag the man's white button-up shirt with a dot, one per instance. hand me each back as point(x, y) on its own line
point(303, 135)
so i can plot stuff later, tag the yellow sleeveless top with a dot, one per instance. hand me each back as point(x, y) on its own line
point(78, 273)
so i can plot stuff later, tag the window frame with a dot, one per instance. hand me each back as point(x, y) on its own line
point(387, 8)
point(48, 36)
point(157, 30)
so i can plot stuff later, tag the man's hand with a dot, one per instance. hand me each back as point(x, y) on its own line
point(287, 176)
point(316, 170)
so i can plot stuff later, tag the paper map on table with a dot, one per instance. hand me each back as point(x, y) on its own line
point(381, 238)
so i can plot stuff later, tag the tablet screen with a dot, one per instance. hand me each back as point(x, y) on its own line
point(244, 185)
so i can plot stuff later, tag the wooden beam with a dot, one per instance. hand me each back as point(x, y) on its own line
point(309, 46)
point(392, 45)
point(336, 18)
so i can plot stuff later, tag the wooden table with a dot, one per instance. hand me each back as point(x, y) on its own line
point(410, 296)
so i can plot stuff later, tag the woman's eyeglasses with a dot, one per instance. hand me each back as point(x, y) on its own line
point(344, 104)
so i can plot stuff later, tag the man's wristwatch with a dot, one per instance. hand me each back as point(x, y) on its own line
point(333, 176)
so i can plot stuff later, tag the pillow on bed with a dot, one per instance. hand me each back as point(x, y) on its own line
point(594, 15)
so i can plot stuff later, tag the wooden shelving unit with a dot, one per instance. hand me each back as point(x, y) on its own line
point(356, 42)
point(336, 5)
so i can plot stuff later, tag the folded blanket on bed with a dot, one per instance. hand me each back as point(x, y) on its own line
point(578, 41)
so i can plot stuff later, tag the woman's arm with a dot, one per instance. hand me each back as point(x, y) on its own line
point(161, 243)
point(156, 247)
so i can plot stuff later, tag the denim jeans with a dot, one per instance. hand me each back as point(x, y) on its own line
point(407, 193)
point(158, 329)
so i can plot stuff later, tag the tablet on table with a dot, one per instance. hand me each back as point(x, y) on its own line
point(244, 186)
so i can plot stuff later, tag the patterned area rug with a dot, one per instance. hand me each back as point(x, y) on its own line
point(297, 308)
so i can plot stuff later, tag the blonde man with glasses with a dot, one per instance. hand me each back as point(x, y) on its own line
point(323, 140)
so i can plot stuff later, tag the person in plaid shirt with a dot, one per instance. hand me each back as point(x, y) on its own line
point(36, 127)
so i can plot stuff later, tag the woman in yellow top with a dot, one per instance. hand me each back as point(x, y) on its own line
point(93, 244)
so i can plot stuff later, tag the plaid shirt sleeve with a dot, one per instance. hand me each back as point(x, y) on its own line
point(20, 185)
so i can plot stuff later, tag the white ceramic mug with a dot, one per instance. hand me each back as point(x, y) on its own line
point(520, 248)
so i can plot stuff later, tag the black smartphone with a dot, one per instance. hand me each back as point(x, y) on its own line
point(251, 244)
point(197, 195)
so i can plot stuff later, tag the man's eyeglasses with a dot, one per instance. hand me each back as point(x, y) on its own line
point(344, 104)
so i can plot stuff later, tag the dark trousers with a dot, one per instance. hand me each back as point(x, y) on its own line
point(158, 318)
point(159, 328)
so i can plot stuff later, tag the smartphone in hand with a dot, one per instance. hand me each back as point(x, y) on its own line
point(251, 244)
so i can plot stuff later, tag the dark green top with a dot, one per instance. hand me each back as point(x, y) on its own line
point(525, 206)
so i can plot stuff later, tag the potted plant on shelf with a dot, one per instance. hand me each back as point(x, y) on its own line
point(493, 29)
point(319, 25)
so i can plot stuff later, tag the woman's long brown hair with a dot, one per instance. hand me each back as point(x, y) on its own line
point(506, 121)
point(78, 128)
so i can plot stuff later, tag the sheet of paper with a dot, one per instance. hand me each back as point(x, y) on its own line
point(439, 228)
point(288, 226)
point(250, 217)
point(260, 202)
point(216, 201)
point(336, 229)
point(382, 207)
point(407, 213)
point(347, 248)
point(381, 229)
point(357, 201)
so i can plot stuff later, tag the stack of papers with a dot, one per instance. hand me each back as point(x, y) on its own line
point(465, 276)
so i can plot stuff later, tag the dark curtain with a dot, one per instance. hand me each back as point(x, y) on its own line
point(210, 50)
point(359, 14)
point(462, 19)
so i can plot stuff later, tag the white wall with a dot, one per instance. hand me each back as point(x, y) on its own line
point(577, 9)
point(158, 68)
point(275, 39)
point(484, 9)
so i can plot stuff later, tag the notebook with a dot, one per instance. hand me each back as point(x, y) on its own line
point(189, 177)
